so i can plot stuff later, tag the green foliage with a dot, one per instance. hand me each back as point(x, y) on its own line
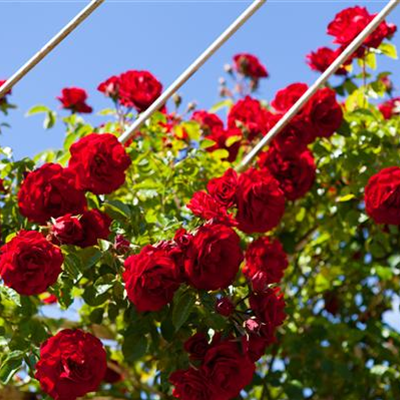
point(337, 255)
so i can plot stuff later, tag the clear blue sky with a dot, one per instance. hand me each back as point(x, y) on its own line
point(161, 36)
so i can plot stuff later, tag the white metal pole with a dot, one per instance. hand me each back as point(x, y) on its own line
point(184, 77)
point(352, 47)
point(57, 39)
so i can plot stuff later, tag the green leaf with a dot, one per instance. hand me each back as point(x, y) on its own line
point(37, 110)
point(134, 347)
point(183, 306)
point(50, 120)
point(389, 49)
point(222, 104)
point(345, 198)
point(10, 366)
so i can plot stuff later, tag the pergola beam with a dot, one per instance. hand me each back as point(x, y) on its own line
point(49, 46)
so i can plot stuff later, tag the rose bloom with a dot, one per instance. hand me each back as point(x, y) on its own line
point(74, 99)
point(224, 307)
point(3, 100)
point(72, 363)
point(265, 261)
point(287, 97)
point(250, 66)
point(248, 115)
point(208, 121)
point(223, 189)
point(382, 196)
point(29, 263)
point(390, 108)
point(295, 172)
point(151, 278)
point(50, 191)
point(321, 59)
point(214, 259)
point(192, 384)
point(197, 346)
point(138, 89)
point(295, 137)
point(83, 230)
point(351, 21)
point(324, 112)
point(99, 162)
point(261, 202)
point(110, 87)
point(228, 368)
point(220, 137)
point(206, 207)
point(269, 308)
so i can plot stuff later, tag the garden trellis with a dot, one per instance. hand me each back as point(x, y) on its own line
point(49, 46)
point(194, 272)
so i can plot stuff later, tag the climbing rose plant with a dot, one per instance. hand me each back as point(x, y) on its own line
point(154, 270)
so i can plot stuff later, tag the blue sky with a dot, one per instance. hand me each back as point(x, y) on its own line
point(161, 36)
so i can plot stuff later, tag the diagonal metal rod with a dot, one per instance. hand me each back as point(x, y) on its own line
point(56, 40)
point(353, 46)
point(184, 77)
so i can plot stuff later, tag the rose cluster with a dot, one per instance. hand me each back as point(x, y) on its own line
point(345, 27)
point(137, 89)
point(254, 201)
point(249, 120)
point(219, 370)
point(55, 196)
point(209, 259)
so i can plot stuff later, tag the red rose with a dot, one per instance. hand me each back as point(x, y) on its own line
point(74, 99)
point(72, 363)
point(50, 299)
point(287, 97)
point(295, 172)
point(99, 162)
point(139, 89)
point(50, 191)
point(191, 384)
point(220, 137)
point(390, 108)
point(82, 231)
point(265, 257)
point(321, 59)
point(207, 121)
point(249, 65)
point(29, 263)
point(113, 373)
point(295, 136)
point(382, 196)
point(261, 202)
point(324, 112)
point(256, 346)
point(215, 258)
point(228, 369)
point(250, 116)
point(269, 308)
point(151, 278)
point(121, 244)
point(197, 346)
point(350, 22)
point(224, 306)
point(3, 99)
point(223, 189)
point(110, 87)
point(206, 207)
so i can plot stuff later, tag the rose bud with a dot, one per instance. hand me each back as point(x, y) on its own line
point(224, 307)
